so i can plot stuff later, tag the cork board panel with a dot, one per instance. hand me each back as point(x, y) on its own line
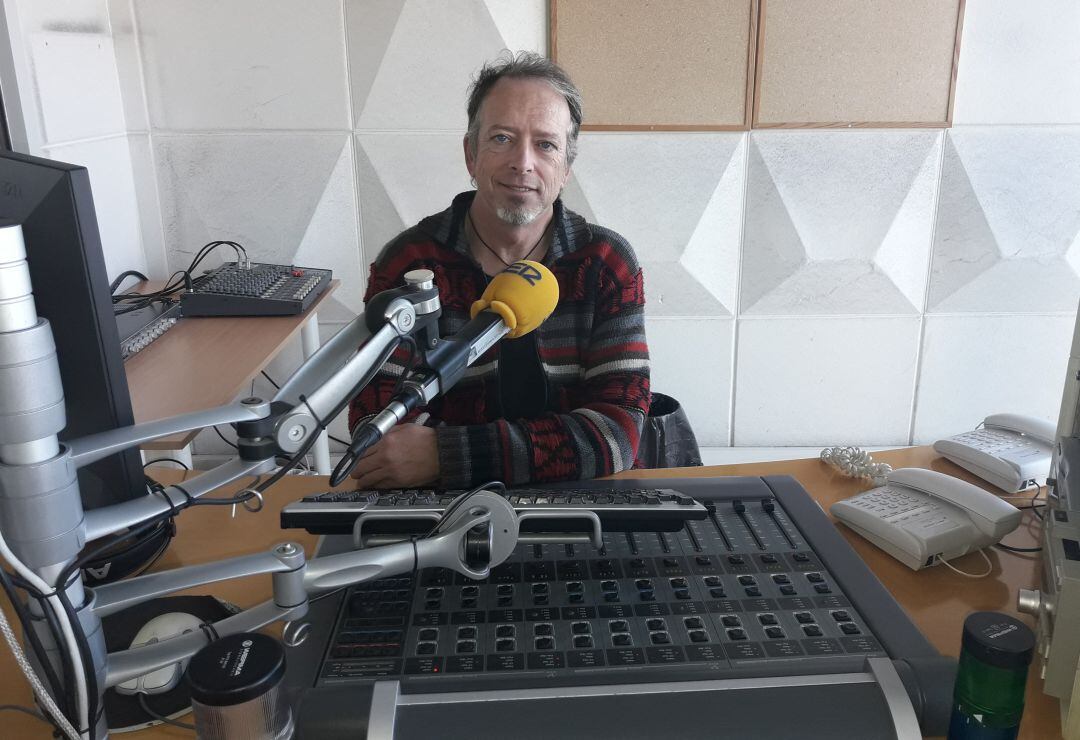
point(658, 65)
point(856, 62)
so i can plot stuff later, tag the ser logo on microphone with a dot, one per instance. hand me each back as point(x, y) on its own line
point(524, 269)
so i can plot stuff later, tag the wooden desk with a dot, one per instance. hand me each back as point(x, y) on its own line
point(202, 363)
point(937, 599)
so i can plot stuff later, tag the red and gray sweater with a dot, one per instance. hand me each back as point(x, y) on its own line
point(592, 349)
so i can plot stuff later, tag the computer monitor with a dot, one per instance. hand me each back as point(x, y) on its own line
point(53, 203)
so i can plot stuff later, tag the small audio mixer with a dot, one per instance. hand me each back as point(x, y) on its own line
point(762, 589)
point(255, 289)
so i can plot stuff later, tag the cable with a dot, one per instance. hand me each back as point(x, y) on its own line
point(1017, 549)
point(278, 387)
point(146, 708)
point(989, 566)
point(856, 463)
point(181, 463)
point(32, 637)
point(225, 439)
point(66, 628)
point(124, 276)
point(36, 686)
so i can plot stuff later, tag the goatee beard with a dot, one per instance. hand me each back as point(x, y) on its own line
point(517, 217)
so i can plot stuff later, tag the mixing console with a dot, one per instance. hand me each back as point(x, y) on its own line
point(761, 605)
point(740, 586)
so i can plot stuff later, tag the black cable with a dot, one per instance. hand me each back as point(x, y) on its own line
point(1018, 549)
point(146, 708)
point(225, 439)
point(181, 463)
point(35, 642)
point(66, 664)
point(87, 659)
point(278, 387)
point(124, 276)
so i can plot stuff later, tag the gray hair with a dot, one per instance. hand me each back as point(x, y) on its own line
point(525, 65)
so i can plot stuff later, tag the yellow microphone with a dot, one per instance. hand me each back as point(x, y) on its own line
point(516, 301)
point(523, 295)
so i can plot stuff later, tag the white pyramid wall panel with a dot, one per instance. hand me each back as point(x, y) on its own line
point(244, 64)
point(279, 195)
point(108, 162)
point(430, 49)
point(677, 199)
point(1008, 221)
point(974, 366)
point(404, 178)
point(702, 386)
point(838, 222)
point(824, 381)
point(1018, 63)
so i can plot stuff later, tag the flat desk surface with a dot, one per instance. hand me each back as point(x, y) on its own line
point(202, 363)
point(936, 599)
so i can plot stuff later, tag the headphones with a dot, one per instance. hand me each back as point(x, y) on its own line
point(129, 557)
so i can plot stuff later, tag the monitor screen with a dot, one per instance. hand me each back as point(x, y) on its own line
point(53, 203)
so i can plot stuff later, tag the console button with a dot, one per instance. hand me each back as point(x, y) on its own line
point(767, 619)
point(660, 638)
point(504, 646)
point(621, 639)
point(545, 643)
point(543, 630)
point(804, 617)
point(774, 633)
point(736, 634)
point(504, 630)
point(466, 646)
point(582, 642)
point(655, 624)
point(730, 621)
point(747, 580)
point(712, 580)
point(841, 616)
point(619, 625)
point(811, 630)
point(581, 628)
point(698, 636)
point(466, 633)
point(849, 628)
point(428, 634)
point(693, 623)
point(425, 648)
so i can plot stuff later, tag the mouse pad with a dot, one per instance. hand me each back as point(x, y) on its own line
point(123, 712)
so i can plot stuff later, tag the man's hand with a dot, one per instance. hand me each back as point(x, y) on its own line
point(407, 457)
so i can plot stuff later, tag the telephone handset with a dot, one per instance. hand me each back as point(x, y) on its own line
point(1010, 451)
point(922, 517)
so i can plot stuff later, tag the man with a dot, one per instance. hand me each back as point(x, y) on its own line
point(566, 401)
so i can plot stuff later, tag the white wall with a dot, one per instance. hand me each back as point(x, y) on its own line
point(881, 287)
point(78, 88)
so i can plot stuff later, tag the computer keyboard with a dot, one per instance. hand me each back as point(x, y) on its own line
point(408, 512)
point(255, 289)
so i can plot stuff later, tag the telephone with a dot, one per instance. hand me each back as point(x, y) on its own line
point(1011, 451)
point(922, 517)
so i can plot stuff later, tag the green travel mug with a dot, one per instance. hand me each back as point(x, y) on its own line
point(988, 698)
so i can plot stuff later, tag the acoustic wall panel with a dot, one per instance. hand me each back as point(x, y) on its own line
point(649, 65)
point(865, 63)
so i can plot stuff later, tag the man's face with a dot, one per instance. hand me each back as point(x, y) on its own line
point(520, 162)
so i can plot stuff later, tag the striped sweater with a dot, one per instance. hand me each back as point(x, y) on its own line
point(592, 349)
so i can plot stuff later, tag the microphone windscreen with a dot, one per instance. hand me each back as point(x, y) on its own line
point(523, 295)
